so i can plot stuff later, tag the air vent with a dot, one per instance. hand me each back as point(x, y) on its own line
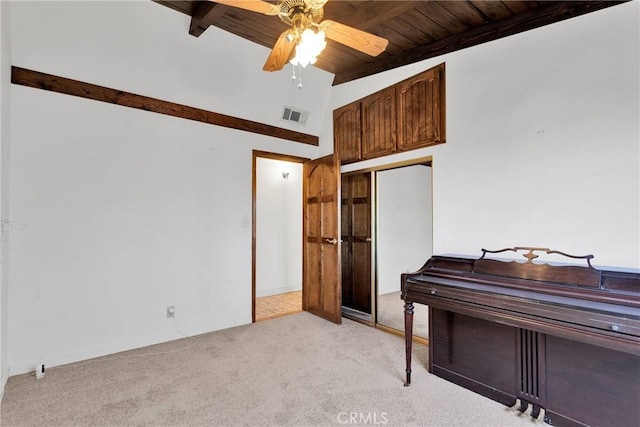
point(291, 114)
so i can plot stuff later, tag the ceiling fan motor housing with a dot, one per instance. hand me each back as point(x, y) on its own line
point(300, 12)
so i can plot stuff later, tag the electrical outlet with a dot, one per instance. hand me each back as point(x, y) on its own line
point(171, 312)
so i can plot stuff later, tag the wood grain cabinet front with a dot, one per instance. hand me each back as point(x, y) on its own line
point(402, 117)
point(347, 132)
point(379, 124)
point(421, 110)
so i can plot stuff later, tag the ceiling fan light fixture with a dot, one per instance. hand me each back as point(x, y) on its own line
point(307, 32)
point(309, 46)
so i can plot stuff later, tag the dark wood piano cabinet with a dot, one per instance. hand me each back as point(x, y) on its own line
point(562, 338)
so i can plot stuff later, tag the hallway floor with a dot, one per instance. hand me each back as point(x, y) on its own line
point(278, 305)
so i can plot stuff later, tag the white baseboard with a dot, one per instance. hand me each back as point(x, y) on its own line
point(90, 353)
point(276, 291)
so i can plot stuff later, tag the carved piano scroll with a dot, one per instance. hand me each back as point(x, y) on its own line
point(531, 256)
point(580, 275)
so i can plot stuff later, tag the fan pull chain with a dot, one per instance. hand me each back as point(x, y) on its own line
point(297, 78)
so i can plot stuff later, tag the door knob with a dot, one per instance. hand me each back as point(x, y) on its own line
point(368, 239)
point(332, 241)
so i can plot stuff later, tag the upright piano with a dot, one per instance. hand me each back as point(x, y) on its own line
point(560, 338)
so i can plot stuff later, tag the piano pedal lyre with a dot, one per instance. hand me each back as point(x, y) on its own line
point(523, 405)
point(535, 411)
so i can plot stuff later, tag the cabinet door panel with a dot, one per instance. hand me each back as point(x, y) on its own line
point(421, 110)
point(347, 132)
point(379, 124)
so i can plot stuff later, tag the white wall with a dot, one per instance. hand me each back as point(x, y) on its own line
point(145, 48)
point(5, 134)
point(117, 213)
point(120, 213)
point(404, 236)
point(542, 140)
point(278, 227)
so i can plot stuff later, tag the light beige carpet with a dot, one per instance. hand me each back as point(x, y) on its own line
point(297, 370)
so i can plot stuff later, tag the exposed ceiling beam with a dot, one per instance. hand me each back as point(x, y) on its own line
point(535, 18)
point(205, 15)
point(39, 80)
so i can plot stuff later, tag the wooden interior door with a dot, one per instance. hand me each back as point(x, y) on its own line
point(321, 287)
point(356, 245)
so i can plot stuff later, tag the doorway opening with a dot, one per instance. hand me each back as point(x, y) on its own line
point(400, 206)
point(276, 235)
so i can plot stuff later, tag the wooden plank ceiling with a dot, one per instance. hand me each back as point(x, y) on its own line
point(416, 30)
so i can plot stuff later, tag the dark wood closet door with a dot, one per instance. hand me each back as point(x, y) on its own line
point(356, 246)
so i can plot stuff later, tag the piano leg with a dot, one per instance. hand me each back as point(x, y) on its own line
point(408, 337)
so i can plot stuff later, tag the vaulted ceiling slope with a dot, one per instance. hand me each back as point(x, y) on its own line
point(416, 30)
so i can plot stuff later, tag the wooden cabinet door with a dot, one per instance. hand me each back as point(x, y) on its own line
point(321, 286)
point(379, 124)
point(421, 110)
point(347, 132)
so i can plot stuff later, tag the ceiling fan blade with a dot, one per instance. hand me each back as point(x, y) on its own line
point(280, 53)
point(315, 4)
point(357, 39)
point(252, 5)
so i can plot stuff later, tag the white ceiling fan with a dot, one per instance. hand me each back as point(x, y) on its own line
point(307, 31)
